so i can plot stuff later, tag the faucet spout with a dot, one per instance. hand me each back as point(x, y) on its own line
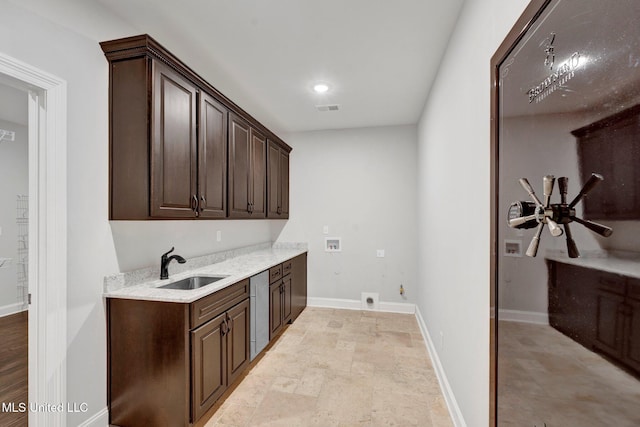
point(164, 263)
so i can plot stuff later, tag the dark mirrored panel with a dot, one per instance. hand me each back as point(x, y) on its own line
point(568, 219)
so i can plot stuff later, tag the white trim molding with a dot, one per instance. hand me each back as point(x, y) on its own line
point(523, 316)
point(449, 397)
point(349, 304)
point(47, 105)
point(8, 310)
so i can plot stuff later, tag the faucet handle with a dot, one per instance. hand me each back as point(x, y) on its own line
point(170, 250)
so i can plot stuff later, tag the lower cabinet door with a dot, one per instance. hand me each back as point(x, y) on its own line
point(286, 299)
point(238, 354)
point(632, 336)
point(275, 309)
point(208, 365)
point(610, 324)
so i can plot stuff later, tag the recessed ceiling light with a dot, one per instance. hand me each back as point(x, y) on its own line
point(321, 88)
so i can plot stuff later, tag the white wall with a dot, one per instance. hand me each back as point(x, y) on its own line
point(14, 180)
point(96, 248)
point(453, 206)
point(361, 183)
point(523, 282)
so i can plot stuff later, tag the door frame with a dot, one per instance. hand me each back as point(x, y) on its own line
point(47, 107)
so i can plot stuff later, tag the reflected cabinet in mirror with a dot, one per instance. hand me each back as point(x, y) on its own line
point(565, 264)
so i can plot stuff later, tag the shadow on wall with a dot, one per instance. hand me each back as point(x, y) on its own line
point(139, 244)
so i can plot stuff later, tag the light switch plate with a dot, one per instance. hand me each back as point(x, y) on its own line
point(325, 229)
point(218, 236)
point(380, 253)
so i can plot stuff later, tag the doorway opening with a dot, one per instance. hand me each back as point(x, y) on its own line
point(40, 257)
point(14, 253)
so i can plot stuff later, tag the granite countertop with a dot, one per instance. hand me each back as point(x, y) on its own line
point(236, 267)
point(617, 262)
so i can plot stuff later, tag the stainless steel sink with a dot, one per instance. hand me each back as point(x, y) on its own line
point(193, 282)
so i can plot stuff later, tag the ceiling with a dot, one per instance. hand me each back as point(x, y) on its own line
point(379, 57)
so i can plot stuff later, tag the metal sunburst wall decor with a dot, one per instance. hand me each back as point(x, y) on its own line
point(529, 214)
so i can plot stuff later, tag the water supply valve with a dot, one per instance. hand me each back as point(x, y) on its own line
point(530, 214)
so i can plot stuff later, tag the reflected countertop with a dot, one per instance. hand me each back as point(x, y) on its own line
point(617, 262)
point(236, 267)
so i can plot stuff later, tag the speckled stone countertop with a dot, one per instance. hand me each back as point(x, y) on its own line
point(236, 265)
point(624, 263)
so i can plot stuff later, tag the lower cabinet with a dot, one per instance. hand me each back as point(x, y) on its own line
point(219, 354)
point(279, 301)
point(298, 285)
point(598, 309)
point(168, 363)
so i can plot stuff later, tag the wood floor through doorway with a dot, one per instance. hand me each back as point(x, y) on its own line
point(14, 368)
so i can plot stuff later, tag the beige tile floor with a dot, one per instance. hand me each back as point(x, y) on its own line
point(546, 378)
point(340, 368)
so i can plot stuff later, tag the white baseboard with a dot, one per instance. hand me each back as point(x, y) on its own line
point(523, 316)
point(7, 310)
point(100, 419)
point(449, 397)
point(352, 304)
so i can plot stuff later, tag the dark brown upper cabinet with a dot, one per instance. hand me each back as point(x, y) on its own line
point(178, 148)
point(247, 170)
point(278, 181)
point(213, 158)
point(174, 153)
point(611, 148)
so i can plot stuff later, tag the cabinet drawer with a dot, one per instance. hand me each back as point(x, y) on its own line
point(275, 273)
point(286, 267)
point(610, 283)
point(634, 289)
point(212, 305)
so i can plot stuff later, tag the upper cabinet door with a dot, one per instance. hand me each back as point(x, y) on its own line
point(278, 181)
point(258, 188)
point(247, 170)
point(174, 145)
point(239, 180)
point(212, 158)
point(284, 184)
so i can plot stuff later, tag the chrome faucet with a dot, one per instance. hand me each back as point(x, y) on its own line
point(164, 263)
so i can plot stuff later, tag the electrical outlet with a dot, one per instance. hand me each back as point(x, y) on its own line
point(218, 236)
point(380, 253)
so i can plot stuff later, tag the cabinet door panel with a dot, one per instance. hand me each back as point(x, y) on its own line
point(609, 321)
point(284, 184)
point(239, 149)
point(275, 305)
point(208, 365)
point(212, 181)
point(258, 175)
point(632, 342)
point(273, 180)
point(286, 299)
point(238, 340)
point(174, 154)
point(299, 285)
